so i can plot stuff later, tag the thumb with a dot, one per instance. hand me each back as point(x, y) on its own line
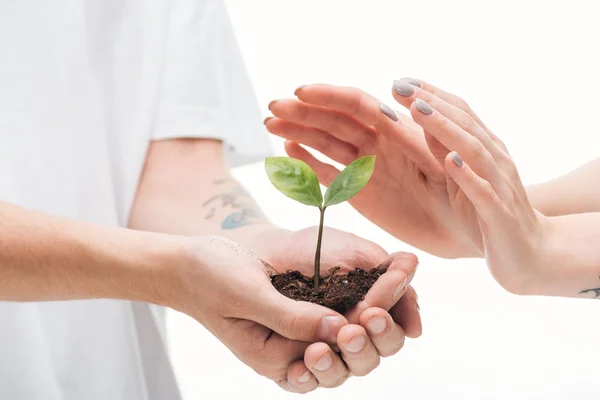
point(296, 320)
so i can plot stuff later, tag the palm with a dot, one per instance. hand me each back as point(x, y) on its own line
point(400, 198)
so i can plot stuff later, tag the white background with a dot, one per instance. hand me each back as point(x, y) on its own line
point(531, 71)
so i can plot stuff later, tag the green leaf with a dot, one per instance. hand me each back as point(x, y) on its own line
point(350, 181)
point(295, 179)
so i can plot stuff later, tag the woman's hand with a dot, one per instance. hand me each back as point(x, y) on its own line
point(416, 191)
point(407, 192)
point(483, 185)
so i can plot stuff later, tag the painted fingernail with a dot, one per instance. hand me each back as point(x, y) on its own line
point(411, 81)
point(400, 289)
point(324, 363)
point(457, 159)
point(376, 325)
point(271, 104)
point(298, 89)
point(267, 120)
point(423, 107)
point(356, 344)
point(304, 377)
point(388, 112)
point(330, 327)
point(403, 88)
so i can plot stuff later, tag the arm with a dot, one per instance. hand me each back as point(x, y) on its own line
point(186, 189)
point(573, 193)
point(47, 258)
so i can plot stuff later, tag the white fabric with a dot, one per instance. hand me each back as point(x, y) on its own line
point(85, 85)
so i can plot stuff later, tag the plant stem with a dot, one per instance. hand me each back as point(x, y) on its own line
point(318, 253)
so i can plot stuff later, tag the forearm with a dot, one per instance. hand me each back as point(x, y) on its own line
point(570, 259)
point(186, 189)
point(574, 193)
point(48, 258)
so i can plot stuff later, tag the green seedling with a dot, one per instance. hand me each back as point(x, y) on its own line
point(296, 180)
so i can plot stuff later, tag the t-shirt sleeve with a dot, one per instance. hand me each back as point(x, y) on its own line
point(206, 91)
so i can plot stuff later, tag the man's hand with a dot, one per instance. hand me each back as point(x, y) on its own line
point(388, 313)
point(227, 288)
point(407, 193)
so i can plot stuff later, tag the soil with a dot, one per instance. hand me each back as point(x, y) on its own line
point(340, 292)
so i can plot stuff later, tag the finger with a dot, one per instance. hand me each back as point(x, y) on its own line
point(458, 102)
point(406, 94)
point(297, 320)
point(456, 139)
point(386, 336)
point(371, 112)
point(325, 172)
point(317, 139)
point(326, 366)
point(390, 286)
point(299, 379)
point(406, 313)
point(486, 202)
point(337, 124)
point(358, 351)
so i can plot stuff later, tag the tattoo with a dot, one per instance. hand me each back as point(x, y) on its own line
point(244, 213)
point(595, 291)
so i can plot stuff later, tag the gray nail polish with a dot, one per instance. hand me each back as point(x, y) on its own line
point(411, 81)
point(423, 107)
point(388, 111)
point(403, 88)
point(456, 159)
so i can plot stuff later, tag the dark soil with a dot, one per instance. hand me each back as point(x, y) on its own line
point(340, 292)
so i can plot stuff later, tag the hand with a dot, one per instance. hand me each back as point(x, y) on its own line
point(227, 289)
point(407, 192)
point(382, 333)
point(483, 187)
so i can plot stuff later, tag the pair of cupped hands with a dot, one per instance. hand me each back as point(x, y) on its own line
point(443, 182)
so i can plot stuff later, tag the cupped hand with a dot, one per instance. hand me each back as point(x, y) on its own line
point(406, 195)
point(378, 324)
point(228, 289)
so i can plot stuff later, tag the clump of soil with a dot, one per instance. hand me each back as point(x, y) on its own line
point(340, 292)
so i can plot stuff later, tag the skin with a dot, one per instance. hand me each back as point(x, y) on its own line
point(167, 201)
point(170, 257)
point(454, 187)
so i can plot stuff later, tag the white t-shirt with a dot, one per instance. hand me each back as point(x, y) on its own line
point(85, 85)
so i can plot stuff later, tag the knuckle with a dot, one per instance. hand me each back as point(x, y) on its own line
point(460, 103)
point(487, 192)
point(476, 149)
point(290, 321)
point(466, 122)
point(367, 369)
point(355, 105)
point(392, 350)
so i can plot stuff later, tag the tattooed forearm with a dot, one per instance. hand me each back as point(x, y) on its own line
point(595, 292)
point(242, 210)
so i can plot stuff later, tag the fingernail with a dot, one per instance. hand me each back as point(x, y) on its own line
point(412, 81)
point(271, 103)
point(376, 325)
point(324, 363)
point(403, 89)
point(423, 107)
point(298, 89)
point(388, 111)
point(457, 159)
point(330, 327)
point(304, 377)
point(356, 344)
point(400, 289)
point(267, 120)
